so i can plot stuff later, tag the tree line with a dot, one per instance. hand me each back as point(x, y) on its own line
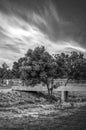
point(39, 66)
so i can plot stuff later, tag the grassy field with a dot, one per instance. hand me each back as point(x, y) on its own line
point(33, 111)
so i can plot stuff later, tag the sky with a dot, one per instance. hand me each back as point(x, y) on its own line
point(55, 24)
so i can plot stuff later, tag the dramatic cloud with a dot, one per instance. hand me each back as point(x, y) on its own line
point(26, 24)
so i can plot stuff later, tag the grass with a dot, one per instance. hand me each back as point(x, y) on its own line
point(15, 107)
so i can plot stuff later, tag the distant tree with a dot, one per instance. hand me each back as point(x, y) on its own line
point(15, 70)
point(1, 75)
point(5, 68)
point(21, 60)
point(5, 72)
point(71, 66)
point(80, 71)
point(16, 67)
point(9, 74)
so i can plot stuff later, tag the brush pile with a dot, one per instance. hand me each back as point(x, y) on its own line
point(20, 98)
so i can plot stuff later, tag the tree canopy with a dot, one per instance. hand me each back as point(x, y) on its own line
point(39, 66)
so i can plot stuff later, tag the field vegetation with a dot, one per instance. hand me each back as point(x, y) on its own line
point(40, 67)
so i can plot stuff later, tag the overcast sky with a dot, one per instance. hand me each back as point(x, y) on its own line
point(56, 24)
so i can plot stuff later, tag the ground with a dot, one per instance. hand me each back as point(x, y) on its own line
point(33, 111)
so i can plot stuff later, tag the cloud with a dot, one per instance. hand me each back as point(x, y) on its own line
point(24, 29)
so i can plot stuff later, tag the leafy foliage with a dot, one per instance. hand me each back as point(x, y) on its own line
point(38, 66)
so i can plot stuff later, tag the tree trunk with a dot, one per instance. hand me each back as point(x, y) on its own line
point(66, 82)
point(51, 86)
point(2, 81)
point(23, 82)
point(48, 89)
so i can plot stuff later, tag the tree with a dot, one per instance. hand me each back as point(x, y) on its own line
point(80, 71)
point(15, 70)
point(5, 68)
point(1, 75)
point(16, 67)
point(39, 67)
point(5, 72)
point(71, 66)
point(61, 60)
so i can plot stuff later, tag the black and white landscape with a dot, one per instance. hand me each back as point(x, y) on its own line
point(42, 64)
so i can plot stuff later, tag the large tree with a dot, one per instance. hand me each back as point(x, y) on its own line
point(39, 67)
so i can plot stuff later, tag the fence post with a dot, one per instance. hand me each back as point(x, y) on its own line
point(64, 96)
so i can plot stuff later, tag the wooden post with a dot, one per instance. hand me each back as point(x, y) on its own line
point(64, 96)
